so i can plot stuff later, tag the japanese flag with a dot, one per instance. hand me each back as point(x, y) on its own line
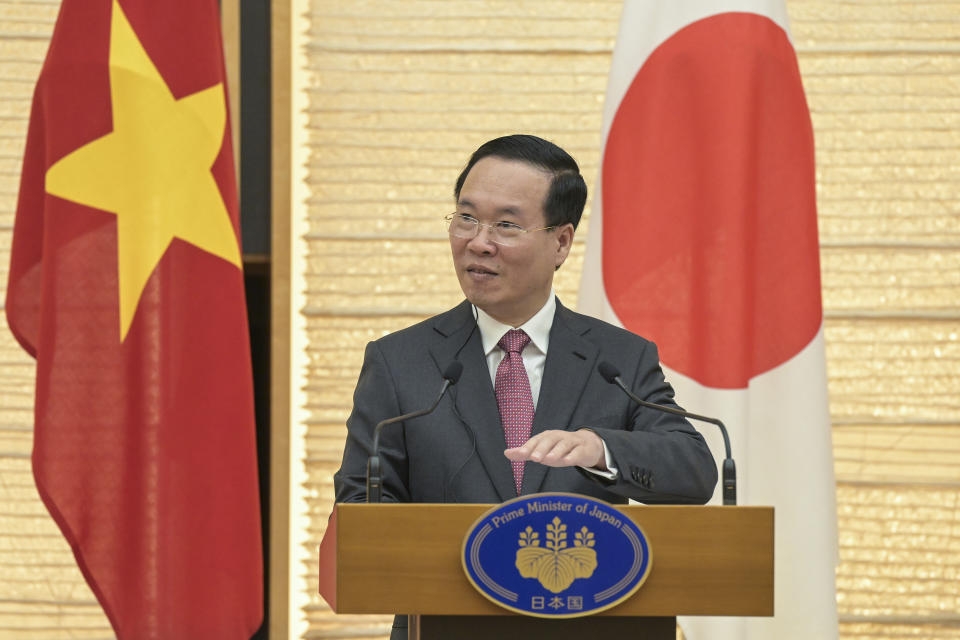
point(703, 238)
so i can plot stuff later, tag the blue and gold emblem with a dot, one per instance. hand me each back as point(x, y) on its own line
point(556, 555)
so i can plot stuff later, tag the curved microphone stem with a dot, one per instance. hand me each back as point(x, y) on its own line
point(374, 471)
point(678, 412)
point(729, 475)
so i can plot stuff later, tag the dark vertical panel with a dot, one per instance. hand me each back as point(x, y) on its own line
point(257, 281)
point(255, 126)
point(255, 102)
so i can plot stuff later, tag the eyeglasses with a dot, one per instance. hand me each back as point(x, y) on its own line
point(505, 234)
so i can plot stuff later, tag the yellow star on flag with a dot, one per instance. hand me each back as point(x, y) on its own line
point(152, 170)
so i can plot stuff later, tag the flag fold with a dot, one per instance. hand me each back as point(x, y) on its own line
point(126, 285)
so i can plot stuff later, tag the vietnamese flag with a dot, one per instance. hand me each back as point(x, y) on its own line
point(703, 238)
point(126, 286)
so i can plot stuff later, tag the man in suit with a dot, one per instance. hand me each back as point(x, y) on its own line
point(530, 412)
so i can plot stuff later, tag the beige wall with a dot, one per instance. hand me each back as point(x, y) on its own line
point(398, 93)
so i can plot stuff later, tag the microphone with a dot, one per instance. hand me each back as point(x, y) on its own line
point(612, 375)
point(374, 474)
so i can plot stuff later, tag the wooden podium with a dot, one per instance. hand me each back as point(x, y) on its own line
point(405, 558)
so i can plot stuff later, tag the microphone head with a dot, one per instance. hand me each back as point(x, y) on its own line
point(609, 372)
point(453, 371)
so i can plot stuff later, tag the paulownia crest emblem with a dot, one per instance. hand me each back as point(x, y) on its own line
point(556, 565)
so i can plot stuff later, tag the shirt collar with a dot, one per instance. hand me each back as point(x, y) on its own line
point(538, 327)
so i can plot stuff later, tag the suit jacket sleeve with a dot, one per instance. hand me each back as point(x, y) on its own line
point(374, 399)
point(660, 457)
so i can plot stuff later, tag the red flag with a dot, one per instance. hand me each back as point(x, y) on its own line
point(704, 239)
point(126, 286)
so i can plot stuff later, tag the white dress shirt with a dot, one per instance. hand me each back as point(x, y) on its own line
point(534, 357)
point(535, 353)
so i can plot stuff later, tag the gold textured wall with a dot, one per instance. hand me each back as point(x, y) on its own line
point(884, 90)
point(399, 93)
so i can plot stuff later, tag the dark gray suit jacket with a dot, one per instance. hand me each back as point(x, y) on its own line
point(455, 454)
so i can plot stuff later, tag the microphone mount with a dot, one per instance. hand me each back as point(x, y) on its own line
point(729, 476)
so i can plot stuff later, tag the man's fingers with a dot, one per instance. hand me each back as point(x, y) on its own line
point(558, 448)
point(551, 451)
point(534, 448)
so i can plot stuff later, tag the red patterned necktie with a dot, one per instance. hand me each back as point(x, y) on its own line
point(514, 399)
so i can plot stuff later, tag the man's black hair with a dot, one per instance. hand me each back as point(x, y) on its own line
point(568, 191)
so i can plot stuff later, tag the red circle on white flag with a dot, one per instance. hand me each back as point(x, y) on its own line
point(709, 212)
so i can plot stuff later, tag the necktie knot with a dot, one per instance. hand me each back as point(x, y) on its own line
point(514, 341)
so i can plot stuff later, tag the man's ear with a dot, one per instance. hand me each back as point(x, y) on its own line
point(564, 235)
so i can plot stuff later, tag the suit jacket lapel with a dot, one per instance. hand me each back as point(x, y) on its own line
point(473, 397)
point(570, 361)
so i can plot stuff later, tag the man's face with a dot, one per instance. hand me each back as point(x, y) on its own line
point(509, 283)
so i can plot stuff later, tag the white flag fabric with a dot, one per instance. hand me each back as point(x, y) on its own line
point(703, 238)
